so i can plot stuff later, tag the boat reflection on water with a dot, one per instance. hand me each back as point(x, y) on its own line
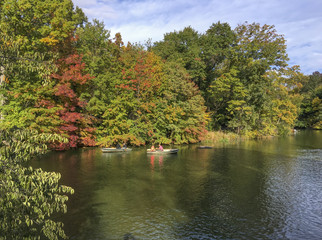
point(154, 158)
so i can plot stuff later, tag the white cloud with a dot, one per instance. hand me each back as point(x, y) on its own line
point(138, 20)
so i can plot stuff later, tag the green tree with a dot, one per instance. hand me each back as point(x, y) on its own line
point(286, 100)
point(216, 45)
point(259, 60)
point(29, 197)
point(311, 107)
point(102, 58)
point(184, 47)
point(180, 113)
point(259, 49)
point(94, 44)
point(228, 98)
point(23, 76)
point(41, 26)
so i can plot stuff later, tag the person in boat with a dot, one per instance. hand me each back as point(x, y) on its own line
point(124, 145)
point(160, 147)
point(152, 148)
point(118, 146)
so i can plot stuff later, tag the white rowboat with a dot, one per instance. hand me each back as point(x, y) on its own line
point(165, 151)
point(113, 150)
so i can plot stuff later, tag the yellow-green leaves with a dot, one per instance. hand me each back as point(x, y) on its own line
point(28, 197)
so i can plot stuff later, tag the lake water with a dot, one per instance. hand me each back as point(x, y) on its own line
point(268, 189)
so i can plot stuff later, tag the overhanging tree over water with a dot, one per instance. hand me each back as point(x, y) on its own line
point(29, 197)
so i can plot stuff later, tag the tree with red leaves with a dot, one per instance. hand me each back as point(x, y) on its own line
point(74, 123)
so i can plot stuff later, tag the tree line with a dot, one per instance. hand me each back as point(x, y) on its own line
point(66, 75)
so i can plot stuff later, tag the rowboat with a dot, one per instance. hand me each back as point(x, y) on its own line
point(165, 151)
point(113, 150)
point(204, 147)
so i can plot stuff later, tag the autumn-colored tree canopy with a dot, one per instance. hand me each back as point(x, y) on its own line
point(65, 75)
point(72, 78)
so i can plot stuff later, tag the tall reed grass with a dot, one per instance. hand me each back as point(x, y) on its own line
point(222, 137)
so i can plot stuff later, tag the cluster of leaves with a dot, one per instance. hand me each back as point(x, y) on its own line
point(28, 197)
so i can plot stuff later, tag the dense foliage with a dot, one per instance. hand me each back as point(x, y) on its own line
point(243, 76)
point(62, 76)
point(95, 90)
point(28, 197)
point(31, 39)
point(311, 107)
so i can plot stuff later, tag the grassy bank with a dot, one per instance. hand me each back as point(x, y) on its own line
point(222, 137)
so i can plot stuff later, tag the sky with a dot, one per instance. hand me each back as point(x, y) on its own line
point(300, 21)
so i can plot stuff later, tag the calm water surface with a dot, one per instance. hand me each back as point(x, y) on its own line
point(270, 189)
